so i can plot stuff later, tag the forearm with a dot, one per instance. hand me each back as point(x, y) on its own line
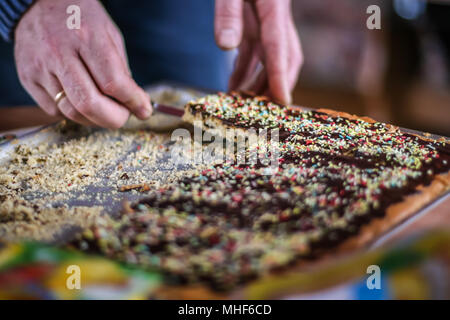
point(10, 13)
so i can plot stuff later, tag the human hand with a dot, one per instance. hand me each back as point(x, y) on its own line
point(265, 33)
point(89, 64)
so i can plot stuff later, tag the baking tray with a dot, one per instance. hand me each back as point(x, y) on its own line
point(168, 93)
point(110, 198)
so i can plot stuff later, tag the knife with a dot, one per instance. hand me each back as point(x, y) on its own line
point(170, 110)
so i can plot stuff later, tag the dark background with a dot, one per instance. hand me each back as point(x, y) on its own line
point(399, 74)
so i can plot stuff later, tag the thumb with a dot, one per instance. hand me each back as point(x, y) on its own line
point(228, 24)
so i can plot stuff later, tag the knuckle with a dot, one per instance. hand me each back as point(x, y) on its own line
point(59, 58)
point(228, 9)
point(117, 35)
point(297, 48)
point(228, 21)
point(268, 9)
point(79, 93)
point(228, 14)
point(272, 44)
point(37, 65)
point(49, 108)
point(54, 45)
point(71, 113)
point(27, 72)
point(295, 62)
point(112, 86)
point(52, 111)
point(67, 71)
point(118, 123)
point(24, 76)
point(298, 57)
point(86, 106)
point(83, 33)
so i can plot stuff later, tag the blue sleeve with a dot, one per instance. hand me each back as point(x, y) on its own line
point(10, 13)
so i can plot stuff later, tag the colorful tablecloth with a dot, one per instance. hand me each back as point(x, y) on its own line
point(418, 268)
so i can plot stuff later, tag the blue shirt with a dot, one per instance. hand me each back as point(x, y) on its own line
point(169, 40)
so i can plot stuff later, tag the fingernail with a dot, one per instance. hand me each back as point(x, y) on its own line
point(228, 38)
point(145, 112)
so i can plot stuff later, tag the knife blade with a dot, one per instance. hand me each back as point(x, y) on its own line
point(166, 109)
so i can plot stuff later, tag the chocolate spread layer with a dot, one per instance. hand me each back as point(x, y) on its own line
point(231, 222)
